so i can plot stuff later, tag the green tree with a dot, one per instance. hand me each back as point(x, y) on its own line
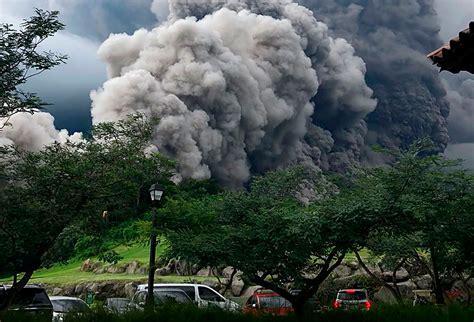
point(21, 59)
point(44, 193)
point(268, 234)
point(435, 199)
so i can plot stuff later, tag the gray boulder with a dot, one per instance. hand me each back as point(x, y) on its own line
point(57, 291)
point(132, 267)
point(342, 271)
point(237, 286)
point(385, 295)
point(130, 289)
point(227, 272)
point(400, 275)
point(88, 265)
point(423, 282)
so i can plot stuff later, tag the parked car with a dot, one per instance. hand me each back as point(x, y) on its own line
point(31, 300)
point(65, 305)
point(202, 295)
point(162, 296)
point(267, 302)
point(352, 299)
point(117, 304)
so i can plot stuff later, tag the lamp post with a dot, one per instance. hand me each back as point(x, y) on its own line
point(156, 192)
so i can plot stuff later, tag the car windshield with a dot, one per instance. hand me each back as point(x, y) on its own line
point(171, 296)
point(117, 303)
point(273, 302)
point(352, 295)
point(28, 296)
point(66, 305)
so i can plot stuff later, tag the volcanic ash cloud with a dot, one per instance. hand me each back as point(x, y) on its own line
point(234, 86)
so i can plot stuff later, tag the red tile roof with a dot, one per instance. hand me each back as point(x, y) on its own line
point(458, 55)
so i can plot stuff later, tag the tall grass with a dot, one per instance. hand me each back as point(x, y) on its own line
point(192, 314)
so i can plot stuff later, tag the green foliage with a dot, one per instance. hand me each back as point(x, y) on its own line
point(20, 60)
point(110, 256)
point(88, 246)
point(428, 204)
point(71, 184)
point(266, 232)
point(183, 313)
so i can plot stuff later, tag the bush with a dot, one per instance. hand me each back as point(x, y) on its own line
point(111, 257)
point(380, 314)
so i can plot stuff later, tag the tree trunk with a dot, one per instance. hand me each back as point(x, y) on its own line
point(437, 281)
point(15, 290)
point(393, 289)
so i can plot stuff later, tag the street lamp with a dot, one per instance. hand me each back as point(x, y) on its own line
point(156, 192)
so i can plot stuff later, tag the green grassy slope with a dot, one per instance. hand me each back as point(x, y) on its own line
point(70, 273)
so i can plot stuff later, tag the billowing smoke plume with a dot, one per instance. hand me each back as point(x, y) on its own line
point(240, 86)
point(32, 131)
point(393, 38)
point(461, 116)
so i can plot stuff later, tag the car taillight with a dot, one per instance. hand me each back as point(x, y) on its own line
point(337, 304)
point(368, 305)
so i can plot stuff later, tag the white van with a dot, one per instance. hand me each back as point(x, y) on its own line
point(202, 295)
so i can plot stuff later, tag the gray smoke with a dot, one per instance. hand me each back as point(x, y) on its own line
point(240, 87)
point(32, 131)
point(393, 38)
point(461, 116)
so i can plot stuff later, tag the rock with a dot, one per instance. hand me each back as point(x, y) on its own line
point(79, 289)
point(164, 271)
point(142, 270)
point(94, 287)
point(57, 291)
point(401, 275)
point(114, 269)
point(207, 271)
point(406, 289)
point(353, 265)
point(184, 268)
point(68, 290)
point(342, 271)
point(132, 267)
point(423, 282)
point(385, 295)
point(88, 265)
point(237, 286)
point(227, 272)
point(99, 270)
point(130, 289)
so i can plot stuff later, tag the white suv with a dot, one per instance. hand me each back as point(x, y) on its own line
point(202, 295)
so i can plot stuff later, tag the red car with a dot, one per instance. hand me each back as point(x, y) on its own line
point(267, 302)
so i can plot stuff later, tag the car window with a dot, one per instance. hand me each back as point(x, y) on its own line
point(251, 301)
point(189, 290)
point(352, 295)
point(171, 296)
point(273, 302)
point(209, 295)
point(32, 296)
point(139, 298)
point(69, 306)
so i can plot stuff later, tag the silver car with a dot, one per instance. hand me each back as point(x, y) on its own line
point(65, 305)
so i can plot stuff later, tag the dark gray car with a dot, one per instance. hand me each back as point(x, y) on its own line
point(31, 301)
